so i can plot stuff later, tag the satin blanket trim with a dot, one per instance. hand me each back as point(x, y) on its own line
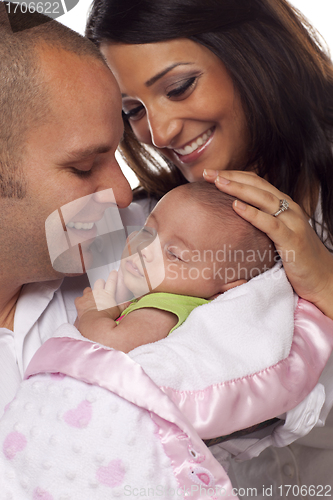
point(218, 410)
point(225, 408)
point(193, 464)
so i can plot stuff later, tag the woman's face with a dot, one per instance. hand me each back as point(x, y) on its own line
point(180, 99)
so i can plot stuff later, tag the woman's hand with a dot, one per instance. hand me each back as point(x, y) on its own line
point(308, 264)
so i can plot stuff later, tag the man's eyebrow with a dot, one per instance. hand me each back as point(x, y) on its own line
point(155, 78)
point(82, 153)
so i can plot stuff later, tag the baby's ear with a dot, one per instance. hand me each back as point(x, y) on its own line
point(232, 284)
point(226, 287)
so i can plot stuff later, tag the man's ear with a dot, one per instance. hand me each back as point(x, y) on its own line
point(227, 286)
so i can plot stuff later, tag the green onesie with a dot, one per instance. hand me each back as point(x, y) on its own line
point(180, 305)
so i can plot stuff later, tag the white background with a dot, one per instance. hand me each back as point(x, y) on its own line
point(318, 12)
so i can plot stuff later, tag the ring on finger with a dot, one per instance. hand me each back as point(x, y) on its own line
point(284, 205)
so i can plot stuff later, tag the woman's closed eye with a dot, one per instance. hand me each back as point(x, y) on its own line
point(182, 89)
point(135, 113)
point(177, 92)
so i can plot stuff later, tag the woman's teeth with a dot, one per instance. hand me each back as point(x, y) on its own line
point(195, 144)
point(81, 225)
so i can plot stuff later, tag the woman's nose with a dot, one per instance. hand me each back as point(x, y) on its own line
point(164, 128)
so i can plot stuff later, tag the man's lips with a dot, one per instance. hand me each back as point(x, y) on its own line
point(81, 231)
point(81, 225)
point(85, 229)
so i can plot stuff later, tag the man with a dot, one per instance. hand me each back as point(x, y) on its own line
point(60, 125)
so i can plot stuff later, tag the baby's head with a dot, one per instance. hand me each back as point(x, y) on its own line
point(203, 245)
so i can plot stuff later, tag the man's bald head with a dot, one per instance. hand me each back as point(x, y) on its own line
point(24, 96)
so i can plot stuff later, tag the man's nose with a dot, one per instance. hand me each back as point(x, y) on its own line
point(113, 178)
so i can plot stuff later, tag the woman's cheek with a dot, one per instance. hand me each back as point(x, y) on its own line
point(141, 131)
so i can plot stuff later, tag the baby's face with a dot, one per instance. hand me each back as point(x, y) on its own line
point(184, 258)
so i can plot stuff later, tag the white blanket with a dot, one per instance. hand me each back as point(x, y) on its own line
point(243, 331)
point(102, 428)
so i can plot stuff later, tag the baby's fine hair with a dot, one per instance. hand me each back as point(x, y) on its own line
point(249, 249)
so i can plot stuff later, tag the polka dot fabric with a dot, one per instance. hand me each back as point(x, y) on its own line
point(62, 439)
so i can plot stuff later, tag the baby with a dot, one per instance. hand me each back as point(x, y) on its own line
point(94, 423)
point(202, 250)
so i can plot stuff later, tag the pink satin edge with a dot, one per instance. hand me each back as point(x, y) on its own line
point(217, 410)
point(224, 408)
point(115, 371)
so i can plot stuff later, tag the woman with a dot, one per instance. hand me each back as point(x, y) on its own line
point(244, 90)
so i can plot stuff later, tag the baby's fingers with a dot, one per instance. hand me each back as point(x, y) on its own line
point(99, 284)
point(111, 283)
point(85, 303)
point(104, 293)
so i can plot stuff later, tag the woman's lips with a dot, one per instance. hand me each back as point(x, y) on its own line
point(193, 150)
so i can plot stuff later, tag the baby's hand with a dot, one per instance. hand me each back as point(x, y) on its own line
point(85, 303)
point(123, 294)
point(105, 293)
point(101, 298)
point(97, 310)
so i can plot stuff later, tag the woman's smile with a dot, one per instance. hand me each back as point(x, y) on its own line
point(179, 98)
point(193, 149)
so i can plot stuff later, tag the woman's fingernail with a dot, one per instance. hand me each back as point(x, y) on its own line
point(222, 180)
point(240, 205)
point(210, 173)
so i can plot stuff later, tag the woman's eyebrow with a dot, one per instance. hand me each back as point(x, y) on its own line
point(154, 79)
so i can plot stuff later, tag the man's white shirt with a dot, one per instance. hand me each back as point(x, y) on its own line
point(41, 309)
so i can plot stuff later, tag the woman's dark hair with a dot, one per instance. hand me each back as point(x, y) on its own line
point(283, 76)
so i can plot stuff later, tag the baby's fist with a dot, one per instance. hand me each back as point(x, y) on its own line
point(85, 303)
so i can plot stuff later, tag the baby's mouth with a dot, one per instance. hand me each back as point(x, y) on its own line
point(133, 268)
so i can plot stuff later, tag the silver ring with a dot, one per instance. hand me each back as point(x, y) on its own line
point(284, 205)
